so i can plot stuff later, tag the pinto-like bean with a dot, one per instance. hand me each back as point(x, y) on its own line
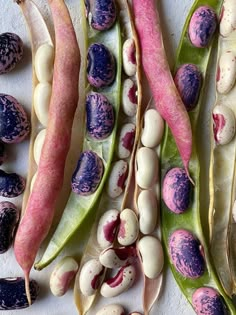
point(129, 228)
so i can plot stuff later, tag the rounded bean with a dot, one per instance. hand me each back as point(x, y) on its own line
point(14, 124)
point(9, 218)
point(228, 18)
point(44, 60)
point(129, 228)
point(107, 227)
point(186, 254)
point(102, 14)
point(11, 184)
point(62, 275)
point(226, 73)
point(148, 211)
point(120, 283)
point(224, 124)
point(152, 256)
point(114, 309)
point(11, 51)
point(42, 96)
point(117, 178)
point(117, 257)
point(147, 167)
point(126, 140)
point(153, 129)
point(38, 144)
point(90, 277)
point(129, 57)
point(88, 174)
point(129, 98)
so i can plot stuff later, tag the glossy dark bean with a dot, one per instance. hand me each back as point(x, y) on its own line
point(202, 26)
point(2, 153)
point(208, 301)
point(11, 185)
point(103, 14)
point(100, 116)
point(176, 190)
point(9, 217)
point(188, 81)
point(101, 66)
point(14, 124)
point(11, 51)
point(88, 174)
point(185, 253)
point(12, 293)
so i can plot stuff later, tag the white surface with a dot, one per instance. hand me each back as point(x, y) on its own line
point(18, 84)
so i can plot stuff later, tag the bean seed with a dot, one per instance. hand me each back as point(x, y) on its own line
point(44, 60)
point(129, 57)
point(129, 228)
point(38, 145)
point(117, 257)
point(226, 74)
point(11, 184)
point(42, 96)
point(107, 227)
point(112, 309)
point(126, 141)
point(102, 14)
point(228, 18)
point(153, 129)
point(117, 178)
point(129, 98)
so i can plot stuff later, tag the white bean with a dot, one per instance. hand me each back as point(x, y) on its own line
point(228, 20)
point(147, 167)
point(44, 59)
point(151, 252)
point(112, 287)
point(129, 98)
point(42, 95)
point(227, 72)
point(107, 226)
point(112, 309)
point(38, 145)
point(126, 140)
point(129, 227)
point(62, 275)
point(153, 129)
point(129, 58)
point(33, 179)
point(117, 178)
point(148, 211)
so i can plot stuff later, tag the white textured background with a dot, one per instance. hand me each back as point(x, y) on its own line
point(18, 84)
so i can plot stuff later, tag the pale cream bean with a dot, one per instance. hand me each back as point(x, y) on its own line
point(148, 211)
point(107, 227)
point(153, 129)
point(228, 18)
point(129, 98)
point(90, 277)
point(112, 309)
point(224, 124)
point(117, 179)
point(120, 283)
point(152, 256)
point(147, 167)
point(62, 275)
point(129, 227)
point(117, 257)
point(129, 57)
point(126, 140)
point(38, 145)
point(42, 95)
point(226, 72)
point(33, 179)
point(44, 60)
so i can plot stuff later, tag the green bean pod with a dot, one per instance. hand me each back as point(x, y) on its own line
point(190, 219)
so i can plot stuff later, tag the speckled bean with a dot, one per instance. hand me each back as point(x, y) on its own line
point(117, 178)
point(148, 211)
point(107, 227)
point(117, 257)
point(147, 167)
point(112, 309)
point(129, 97)
point(129, 227)
point(90, 277)
point(120, 283)
point(153, 129)
point(11, 184)
point(126, 140)
point(101, 14)
point(62, 275)
point(228, 18)
point(223, 124)
point(226, 73)
point(129, 57)
point(44, 60)
point(42, 95)
point(152, 256)
point(38, 145)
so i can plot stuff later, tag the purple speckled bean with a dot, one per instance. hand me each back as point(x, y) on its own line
point(101, 66)
point(188, 81)
point(11, 185)
point(100, 116)
point(88, 174)
point(103, 14)
point(186, 254)
point(208, 301)
point(11, 51)
point(202, 26)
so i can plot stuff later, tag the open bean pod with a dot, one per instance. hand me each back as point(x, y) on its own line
point(223, 149)
point(184, 241)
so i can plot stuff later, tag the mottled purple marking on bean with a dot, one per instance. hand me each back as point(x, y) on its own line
point(185, 254)
point(117, 279)
point(128, 140)
point(103, 14)
point(88, 174)
point(11, 51)
point(100, 116)
point(11, 184)
point(124, 253)
point(109, 229)
point(132, 95)
point(97, 279)
point(188, 81)
point(122, 179)
point(202, 26)
point(208, 301)
point(101, 66)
